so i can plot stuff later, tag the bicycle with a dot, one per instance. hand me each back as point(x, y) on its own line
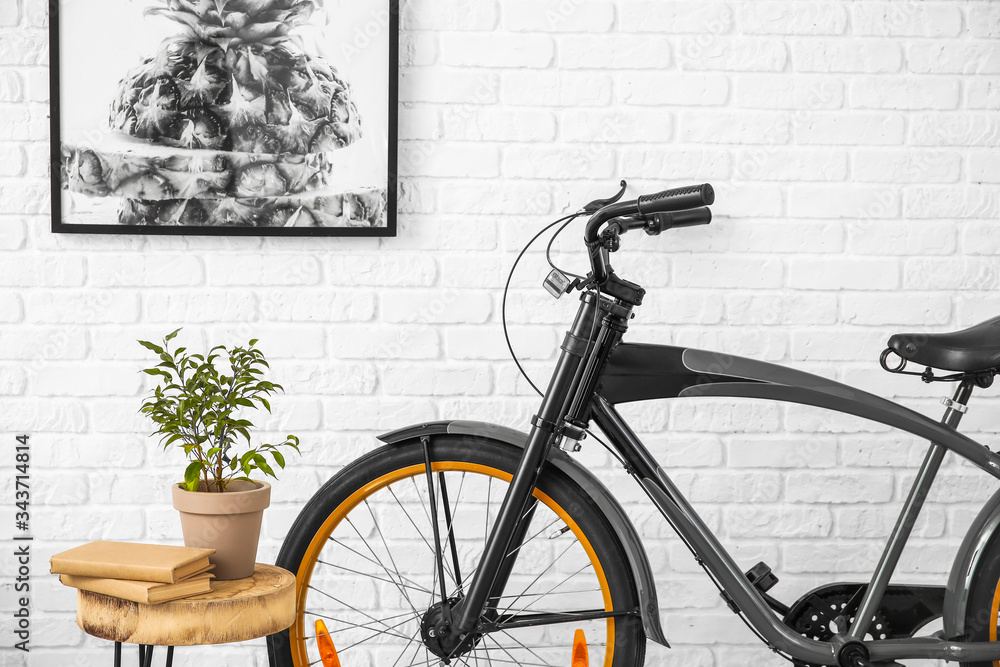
point(503, 545)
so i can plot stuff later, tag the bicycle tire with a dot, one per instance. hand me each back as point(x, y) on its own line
point(315, 532)
point(982, 612)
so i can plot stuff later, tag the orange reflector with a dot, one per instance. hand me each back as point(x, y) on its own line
point(328, 653)
point(580, 657)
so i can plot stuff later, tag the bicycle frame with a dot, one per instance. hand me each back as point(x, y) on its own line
point(596, 371)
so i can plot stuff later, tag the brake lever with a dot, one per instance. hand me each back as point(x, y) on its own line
point(598, 204)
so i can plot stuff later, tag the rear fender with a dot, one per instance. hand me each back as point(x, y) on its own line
point(966, 566)
point(638, 561)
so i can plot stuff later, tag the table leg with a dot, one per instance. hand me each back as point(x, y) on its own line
point(118, 654)
point(142, 655)
point(149, 656)
point(170, 656)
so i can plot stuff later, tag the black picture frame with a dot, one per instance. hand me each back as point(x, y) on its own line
point(60, 226)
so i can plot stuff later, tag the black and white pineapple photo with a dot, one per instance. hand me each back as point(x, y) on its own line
point(256, 115)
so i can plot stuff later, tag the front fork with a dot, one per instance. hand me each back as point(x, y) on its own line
point(572, 384)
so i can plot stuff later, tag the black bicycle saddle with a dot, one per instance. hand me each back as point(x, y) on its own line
point(974, 349)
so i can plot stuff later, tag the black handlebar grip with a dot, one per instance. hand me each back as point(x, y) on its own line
point(678, 199)
point(661, 222)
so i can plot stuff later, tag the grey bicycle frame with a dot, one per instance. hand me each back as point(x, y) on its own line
point(637, 372)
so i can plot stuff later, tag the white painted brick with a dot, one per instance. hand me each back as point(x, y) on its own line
point(851, 129)
point(146, 270)
point(781, 91)
point(447, 306)
point(952, 58)
point(200, 306)
point(491, 197)
point(758, 343)
point(676, 17)
point(836, 487)
point(771, 163)
point(946, 129)
point(907, 166)
point(558, 15)
point(769, 310)
point(24, 47)
point(912, 309)
point(381, 342)
point(984, 20)
point(783, 524)
point(556, 89)
point(662, 307)
point(967, 202)
point(732, 127)
point(904, 93)
point(441, 159)
point(417, 49)
point(845, 557)
point(734, 54)
point(11, 234)
point(447, 86)
point(594, 126)
point(889, 18)
point(10, 13)
point(90, 307)
point(553, 162)
point(77, 380)
point(11, 83)
point(910, 237)
point(983, 167)
point(658, 89)
point(420, 380)
point(448, 15)
point(840, 345)
point(667, 164)
point(614, 52)
point(502, 124)
point(240, 270)
point(841, 274)
point(771, 452)
point(802, 18)
point(706, 271)
point(34, 271)
point(497, 50)
point(966, 273)
point(845, 55)
point(843, 201)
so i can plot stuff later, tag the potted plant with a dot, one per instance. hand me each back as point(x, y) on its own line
point(198, 406)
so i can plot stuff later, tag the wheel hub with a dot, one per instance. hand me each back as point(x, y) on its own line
point(439, 637)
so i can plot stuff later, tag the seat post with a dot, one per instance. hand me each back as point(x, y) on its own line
point(908, 515)
point(958, 405)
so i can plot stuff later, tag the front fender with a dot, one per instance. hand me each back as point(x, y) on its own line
point(638, 561)
point(967, 561)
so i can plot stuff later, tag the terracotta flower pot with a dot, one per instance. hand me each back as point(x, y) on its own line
point(228, 522)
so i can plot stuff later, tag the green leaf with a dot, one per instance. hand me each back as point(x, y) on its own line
point(151, 346)
point(191, 475)
point(278, 458)
point(172, 334)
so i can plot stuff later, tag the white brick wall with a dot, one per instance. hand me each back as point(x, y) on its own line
point(854, 149)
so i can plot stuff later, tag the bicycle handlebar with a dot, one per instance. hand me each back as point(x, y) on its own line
point(668, 201)
point(670, 208)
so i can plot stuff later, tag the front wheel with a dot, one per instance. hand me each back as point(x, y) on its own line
point(363, 554)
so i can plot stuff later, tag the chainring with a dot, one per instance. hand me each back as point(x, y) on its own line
point(818, 619)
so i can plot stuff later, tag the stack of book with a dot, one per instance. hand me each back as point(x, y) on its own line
point(144, 573)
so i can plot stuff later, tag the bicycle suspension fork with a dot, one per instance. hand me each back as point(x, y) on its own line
point(574, 375)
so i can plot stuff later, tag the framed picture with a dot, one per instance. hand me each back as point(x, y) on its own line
point(224, 117)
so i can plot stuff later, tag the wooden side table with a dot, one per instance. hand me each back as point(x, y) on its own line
point(233, 612)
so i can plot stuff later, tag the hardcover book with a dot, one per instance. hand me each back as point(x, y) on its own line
point(158, 563)
point(144, 592)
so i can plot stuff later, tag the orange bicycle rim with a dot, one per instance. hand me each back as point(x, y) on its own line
point(297, 632)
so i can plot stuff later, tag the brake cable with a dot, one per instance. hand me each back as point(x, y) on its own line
point(564, 221)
